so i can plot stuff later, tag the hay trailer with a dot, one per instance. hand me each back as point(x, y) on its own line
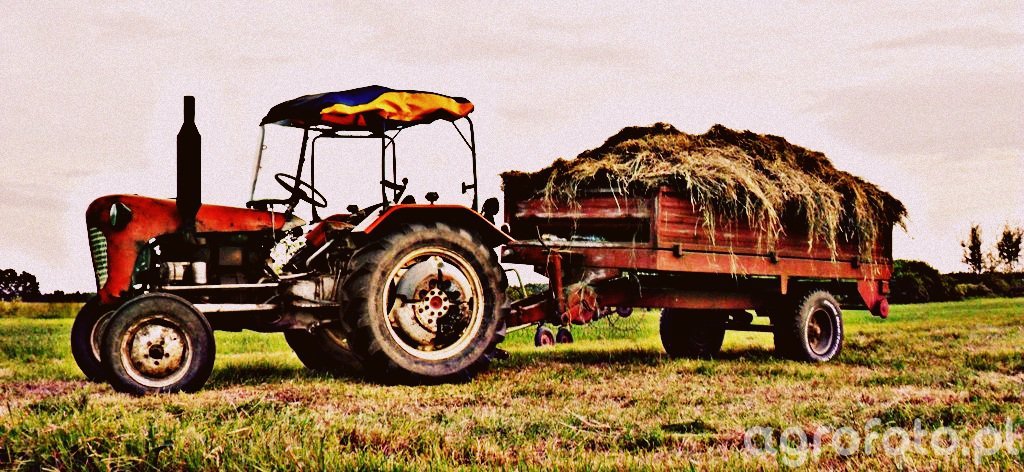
point(607, 253)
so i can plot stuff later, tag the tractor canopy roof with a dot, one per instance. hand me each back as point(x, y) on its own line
point(373, 108)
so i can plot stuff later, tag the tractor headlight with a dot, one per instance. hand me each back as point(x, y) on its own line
point(120, 215)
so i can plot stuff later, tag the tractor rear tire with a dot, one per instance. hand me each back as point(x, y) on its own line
point(393, 336)
point(809, 328)
point(324, 350)
point(696, 334)
point(158, 343)
point(86, 335)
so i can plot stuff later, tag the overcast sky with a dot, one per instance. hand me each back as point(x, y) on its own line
point(924, 99)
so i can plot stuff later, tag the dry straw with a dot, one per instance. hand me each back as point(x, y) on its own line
point(728, 175)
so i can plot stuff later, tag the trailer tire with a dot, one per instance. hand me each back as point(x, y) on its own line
point(324, 350)
point(155, 328)
point(810, 328)
point(692, 333)
point(389, 339)
point(544, 337)
point(86, 336)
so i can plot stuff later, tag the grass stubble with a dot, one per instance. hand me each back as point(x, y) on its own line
point(611, 400)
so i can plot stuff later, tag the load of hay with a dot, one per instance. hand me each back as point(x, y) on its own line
point(728, 175)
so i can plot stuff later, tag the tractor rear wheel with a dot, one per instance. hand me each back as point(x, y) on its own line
point(423, 304)
point(809, 328)
point(86, 335)
point(693, 333)
point(324, 350)
point(158, 343)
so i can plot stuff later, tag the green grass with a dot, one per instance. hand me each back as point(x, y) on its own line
point(611, 400)
point(19, 309)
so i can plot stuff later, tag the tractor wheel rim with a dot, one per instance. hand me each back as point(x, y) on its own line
point(418, 325)
point(155, 352)
point(820, 331)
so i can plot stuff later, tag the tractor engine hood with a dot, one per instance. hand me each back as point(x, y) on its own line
point(120, 227)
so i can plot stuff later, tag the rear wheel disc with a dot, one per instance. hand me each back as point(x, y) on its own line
point(444, 312)
point(423, 304)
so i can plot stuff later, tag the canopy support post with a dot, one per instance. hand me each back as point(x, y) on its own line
point(259, 162)
point(383, 166)
point(471, 144)
point(472, 150)
point(312, 176)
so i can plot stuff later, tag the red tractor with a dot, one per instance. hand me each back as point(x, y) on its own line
point(398, 290)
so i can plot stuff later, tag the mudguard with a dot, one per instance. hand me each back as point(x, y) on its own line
point(453, 215)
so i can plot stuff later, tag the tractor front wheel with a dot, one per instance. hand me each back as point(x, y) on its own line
point(158, 343)
point(424, 304)
point(86, 336)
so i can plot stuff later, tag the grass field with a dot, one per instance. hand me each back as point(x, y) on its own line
point(611, 400)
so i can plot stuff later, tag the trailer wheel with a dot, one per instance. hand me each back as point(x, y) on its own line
point(86, 336)
point(158, 343)
point(811, 329)
point(324, 350)
point(563, 336)
point(424, 304)
point(693, 333)
point(544, 337)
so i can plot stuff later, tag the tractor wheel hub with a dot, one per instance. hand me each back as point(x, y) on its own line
point(156, 350)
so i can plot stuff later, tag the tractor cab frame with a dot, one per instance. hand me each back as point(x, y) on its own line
point(387, 133)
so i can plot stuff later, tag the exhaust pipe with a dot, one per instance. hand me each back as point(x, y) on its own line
point(189, 169)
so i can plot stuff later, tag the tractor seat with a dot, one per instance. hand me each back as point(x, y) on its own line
point(317, 235)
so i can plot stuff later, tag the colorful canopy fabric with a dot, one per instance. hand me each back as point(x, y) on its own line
point(368, 108)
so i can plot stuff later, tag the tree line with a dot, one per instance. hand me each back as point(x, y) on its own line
point(992, 271)
point(16, 285)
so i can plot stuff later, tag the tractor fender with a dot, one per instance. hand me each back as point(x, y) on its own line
point(453, 215)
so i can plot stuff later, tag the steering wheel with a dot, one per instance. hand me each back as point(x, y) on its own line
point(297, 188)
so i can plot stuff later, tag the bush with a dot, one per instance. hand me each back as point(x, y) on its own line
point(974, 291)
point(918, 282)
point(996, 284)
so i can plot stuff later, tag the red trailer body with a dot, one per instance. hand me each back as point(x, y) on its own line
point(656, 251)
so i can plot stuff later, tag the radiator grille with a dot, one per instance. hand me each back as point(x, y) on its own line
point(98, 248)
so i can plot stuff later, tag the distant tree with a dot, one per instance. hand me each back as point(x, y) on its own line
point(14, 285)
point(1008, 247)
point(972, 250)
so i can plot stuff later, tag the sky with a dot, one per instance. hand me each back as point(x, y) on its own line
point(924, 99)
